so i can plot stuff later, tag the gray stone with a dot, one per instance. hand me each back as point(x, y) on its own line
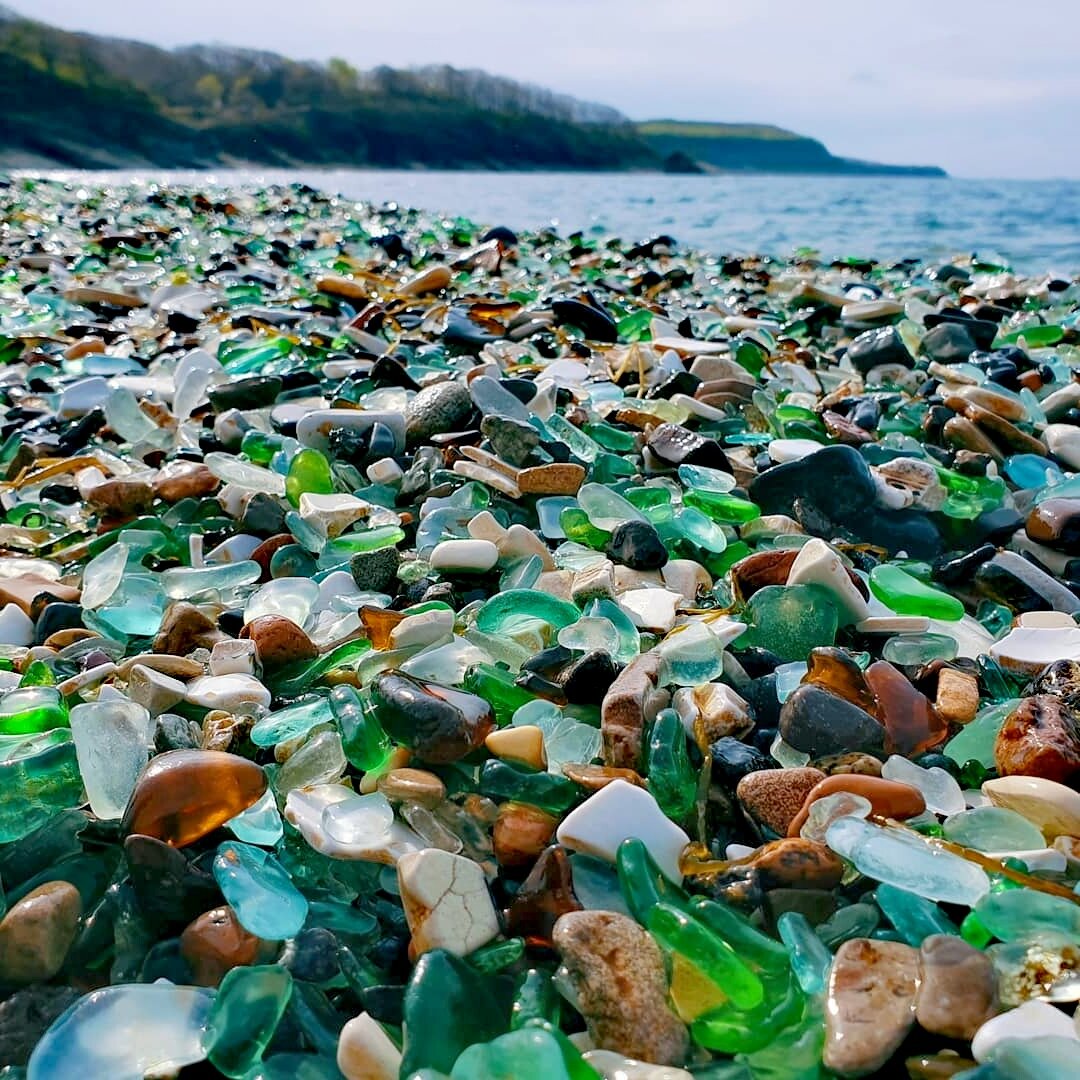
point(513, 440)
point(445, 406)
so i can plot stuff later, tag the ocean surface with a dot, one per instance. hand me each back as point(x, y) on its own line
point(1032, 225)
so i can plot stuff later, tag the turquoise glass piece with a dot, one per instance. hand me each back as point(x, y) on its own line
point(259, 824)
point(629, 636)
point(1027, 915)
point(810, 960)
point(529, 1051)
point(914, 918)
point(248, 1007)
point(790, 620)
point(260, 891)
point(292, 722)
point(992, 829)
point(497, 612)
point(185, 581)
point(975, 741)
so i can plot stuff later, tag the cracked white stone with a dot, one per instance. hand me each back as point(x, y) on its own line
point(446, 901)
point(332, 514)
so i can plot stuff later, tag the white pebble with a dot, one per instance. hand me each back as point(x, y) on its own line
point(473, 556)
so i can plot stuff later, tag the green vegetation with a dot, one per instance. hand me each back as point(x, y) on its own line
point(79, 100)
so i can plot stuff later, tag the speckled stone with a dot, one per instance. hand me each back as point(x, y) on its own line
point(871, 1004)
point(445, 406)
point(1040, 737)
point(774, 796)
point(618, 973)
point(37, 932)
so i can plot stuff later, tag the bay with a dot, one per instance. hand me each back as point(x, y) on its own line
point(1034, 226)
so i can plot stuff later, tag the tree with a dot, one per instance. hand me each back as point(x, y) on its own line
point(343, 74)
point(210, 89)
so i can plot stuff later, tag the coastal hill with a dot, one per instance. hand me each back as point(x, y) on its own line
point(79, 100)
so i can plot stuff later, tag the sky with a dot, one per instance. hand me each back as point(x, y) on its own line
point(984, 90)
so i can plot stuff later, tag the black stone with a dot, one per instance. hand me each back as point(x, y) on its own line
point(263, 516)
point(585, 681)
point(1060, 679)
point(437, 722)
point(982, 331)
point(880, 346)
point(819, 723)
point(637, 544)
point(948, 343)
point(960, 569)
point(170, 891)
point(252, 393)
point(56, 616)
point(375, 571)
point(732, 760)
point(676, 445)
point(591, 319)
point(835, 480)
point(444, 406)
point(513, 440)
point(502, 234)
point(172, 732)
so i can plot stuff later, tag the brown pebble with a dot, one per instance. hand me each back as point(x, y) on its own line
point(23, 590)
point(871, 1004)
point(279, 641)
point(120, 497)
point(37, 932)
point(957, 699)
point(265, 551)
point(796, 863)
point(521, 832)
point(215, 943)
point(619, 977)
point(958, 992)
point(594, 777)
point(1040, 737)
point(184, 480)
point(63, 638)
point(558, 478)
point(412, 785)
point(888, 798)
point(632, 701)
point(184, 629)
point(937, 1066)
point(774, 796)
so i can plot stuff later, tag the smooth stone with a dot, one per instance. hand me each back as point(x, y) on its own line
point(375, 571)
point(1029, 649)
point(231, 693)
point(37, 932)
point(614, 1066)
point(366, 1052)
point(637, 544)
point(124, 1032)
point(1056, 522)
point(444, 406)
point(957, 698)
point(16, 627)
point(185, 628)
point(512, 439)
point(446, 901)
point(887, 798)
point(632, 701)
point(651, 609)
point(470, 556)
point(279, 642)
point(331, 515)
point(958, 991)
point(1063, 441)
point(871, 1004)
point(1031, 1021)
point(721, 711)
point(233, 657)
point(819, 564)
point(619, 811)
point(820, 723)
point(620, 985)
point(153, 690)
point(774, 797)
point(1053, 807)
point(872, 348)
point(1040, 737)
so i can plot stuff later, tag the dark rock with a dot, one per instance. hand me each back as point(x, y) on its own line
point(56, 616)
point(376, 571)
point(637, 544)
point(513, 440)
point(732, 760)
point(263, 515)
point(313, 955)
point(172, 732)
point(820, 724)
point(444, 406)
point(676, 445)
point(880, 346)
point(251, 393)
point(170, 891)
point(590, 318)
point(25, 1017)
point(1012, 580)
point(1056, 523)
point(948, 343)
point(1060, 679)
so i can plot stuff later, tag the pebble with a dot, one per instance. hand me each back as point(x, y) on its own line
point(366, 1052)
point(1033, 1020)
point(446, 902)
point(1054, 807)
point(37, 932)
point(1040, 737)
point(958, 988)
point(464, 556)
point(774, 797)
point(617, 971)
point(871, 1004)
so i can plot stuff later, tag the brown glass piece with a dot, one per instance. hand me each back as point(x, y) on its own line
point(887, 798)
point(833, 669)
point(797, 863)
point(1040, 737)
point(521, 833)
point(215, 943)
point(761, 569)
point(546, 894)
point(279, 642)
point(912, 724)
point(379, 624)
point(184, 794)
